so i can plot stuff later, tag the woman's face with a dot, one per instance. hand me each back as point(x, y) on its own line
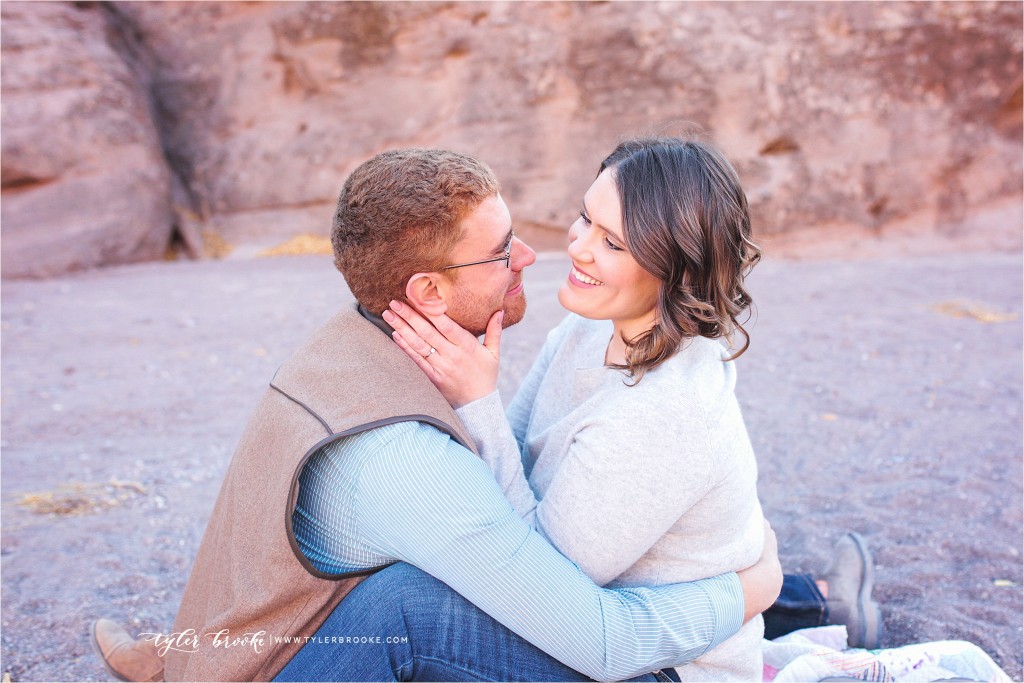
point(606, 282)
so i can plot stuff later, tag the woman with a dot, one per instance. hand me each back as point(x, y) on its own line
point(638, 463)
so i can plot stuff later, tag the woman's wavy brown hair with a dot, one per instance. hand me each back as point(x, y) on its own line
point(686, 222)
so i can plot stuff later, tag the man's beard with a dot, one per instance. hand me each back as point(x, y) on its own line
point(473, 314)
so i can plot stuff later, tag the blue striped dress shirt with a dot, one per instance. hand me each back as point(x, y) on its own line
point(409, 492)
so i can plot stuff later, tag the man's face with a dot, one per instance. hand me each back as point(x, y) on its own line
point(475, 292)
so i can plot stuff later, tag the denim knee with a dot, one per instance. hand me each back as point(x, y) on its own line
point(401, 590)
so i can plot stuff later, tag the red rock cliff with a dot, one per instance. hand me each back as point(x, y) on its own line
point(124, 122)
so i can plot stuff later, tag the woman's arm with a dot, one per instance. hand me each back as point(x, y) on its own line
point(498, 446)
point(499, 435)
point(521, 407)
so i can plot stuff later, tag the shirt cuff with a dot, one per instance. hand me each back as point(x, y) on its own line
point(726, 595)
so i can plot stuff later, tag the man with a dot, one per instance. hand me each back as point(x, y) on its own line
point(352, 454)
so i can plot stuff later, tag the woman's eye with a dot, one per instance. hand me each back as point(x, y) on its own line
point(586, 220)
point(611, 246)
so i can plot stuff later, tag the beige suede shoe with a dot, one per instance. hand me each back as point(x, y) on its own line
point(125, 658)
point(851, 577)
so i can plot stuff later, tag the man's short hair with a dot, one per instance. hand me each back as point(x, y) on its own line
point(399, 214)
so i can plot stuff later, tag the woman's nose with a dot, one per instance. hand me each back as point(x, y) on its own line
point(577, 241)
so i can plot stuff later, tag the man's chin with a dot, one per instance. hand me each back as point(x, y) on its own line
point(514, 311)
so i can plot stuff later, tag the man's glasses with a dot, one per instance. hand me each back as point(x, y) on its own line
point(506, 257)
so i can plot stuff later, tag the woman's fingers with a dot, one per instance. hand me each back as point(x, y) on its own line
point(492, 338)
point(416, 356)
point(435, 329)
point(460, 367)
point(414, 339)
point(409, 322)
point(453, 332)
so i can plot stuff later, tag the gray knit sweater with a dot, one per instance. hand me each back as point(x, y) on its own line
point(639, 486)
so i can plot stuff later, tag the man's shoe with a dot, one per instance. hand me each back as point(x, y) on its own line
point(851, 577)
point(124, 657)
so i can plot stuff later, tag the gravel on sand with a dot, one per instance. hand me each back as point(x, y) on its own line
point(882, 395)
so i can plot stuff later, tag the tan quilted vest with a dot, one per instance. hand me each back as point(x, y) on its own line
point(249, 576)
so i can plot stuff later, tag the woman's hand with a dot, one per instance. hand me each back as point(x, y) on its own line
point(762, 583)
point(462, 368)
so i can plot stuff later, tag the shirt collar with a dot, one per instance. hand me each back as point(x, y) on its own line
point(376, 320)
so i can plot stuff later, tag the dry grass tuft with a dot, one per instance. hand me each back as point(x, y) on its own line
point(82, 498)
point(215, 246)
point(301, 245)
point(969, 309)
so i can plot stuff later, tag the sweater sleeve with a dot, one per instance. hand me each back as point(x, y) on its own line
point(623, 484)
point(521, 407)
point(485, 421)
point(425, 500)
point(500, 436)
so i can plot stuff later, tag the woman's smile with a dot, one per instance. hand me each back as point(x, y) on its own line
point(579, 278)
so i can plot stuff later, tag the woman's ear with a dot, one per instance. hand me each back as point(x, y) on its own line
point(427, 293)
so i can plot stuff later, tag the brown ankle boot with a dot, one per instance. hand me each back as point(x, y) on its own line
point(124, 657)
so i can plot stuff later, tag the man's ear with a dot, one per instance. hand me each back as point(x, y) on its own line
point(428, 293)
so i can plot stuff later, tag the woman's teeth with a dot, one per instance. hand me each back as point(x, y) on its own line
point(585, 278)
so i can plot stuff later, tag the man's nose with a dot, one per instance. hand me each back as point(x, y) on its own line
point(522, 254)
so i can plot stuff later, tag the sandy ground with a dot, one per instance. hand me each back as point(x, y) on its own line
point(883, 395)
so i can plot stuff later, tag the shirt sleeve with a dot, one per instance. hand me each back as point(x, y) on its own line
point(428, 501)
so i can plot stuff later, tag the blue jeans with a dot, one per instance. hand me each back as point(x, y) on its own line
point(416, 628)
point(408, 626)
point(800, 605)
